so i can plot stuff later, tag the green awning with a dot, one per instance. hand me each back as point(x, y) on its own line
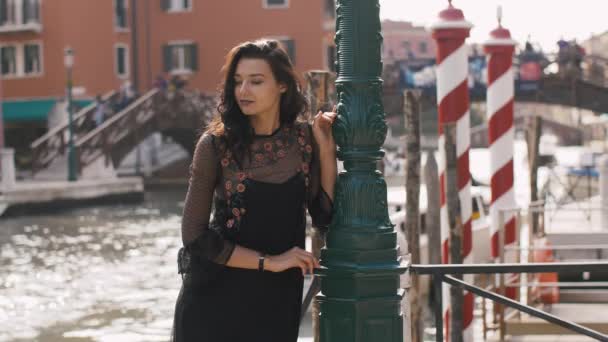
point(27, 110)
point(79, 103)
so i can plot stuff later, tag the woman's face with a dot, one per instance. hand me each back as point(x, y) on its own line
point(256, 90)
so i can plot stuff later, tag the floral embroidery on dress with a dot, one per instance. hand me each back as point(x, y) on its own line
point(232, 209)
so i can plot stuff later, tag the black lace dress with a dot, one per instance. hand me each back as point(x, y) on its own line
point(260, 205)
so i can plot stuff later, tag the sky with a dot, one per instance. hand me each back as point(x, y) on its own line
point(544, 20)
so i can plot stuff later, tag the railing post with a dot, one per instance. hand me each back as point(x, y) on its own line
point(438, 290)
point(518, 252)
point(484, 311)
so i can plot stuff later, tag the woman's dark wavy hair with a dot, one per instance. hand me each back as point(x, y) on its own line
point(230, 123)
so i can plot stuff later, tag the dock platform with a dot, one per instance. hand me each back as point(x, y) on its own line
point(31, 197)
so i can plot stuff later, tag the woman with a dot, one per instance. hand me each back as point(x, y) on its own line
point(261, 165)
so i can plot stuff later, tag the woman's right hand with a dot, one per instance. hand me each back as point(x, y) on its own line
point(295, 257)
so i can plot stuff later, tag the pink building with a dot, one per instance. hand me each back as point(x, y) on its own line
point(404, 41)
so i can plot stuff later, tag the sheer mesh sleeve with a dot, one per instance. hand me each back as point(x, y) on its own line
point(204, 172)
point(320, 205)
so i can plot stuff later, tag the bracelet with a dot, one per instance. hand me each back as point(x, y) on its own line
point(261, 262)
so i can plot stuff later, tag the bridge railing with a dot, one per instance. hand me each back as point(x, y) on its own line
point(54, 143)
point(99, 141)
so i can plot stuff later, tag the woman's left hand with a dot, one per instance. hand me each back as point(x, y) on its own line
point(321, 129)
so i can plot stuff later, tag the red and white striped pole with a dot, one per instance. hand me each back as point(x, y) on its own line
point(500, 48)
point(450, 33)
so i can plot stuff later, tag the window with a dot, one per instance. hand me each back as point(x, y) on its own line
point(19, 12)
point(422, 47)
point(8, 56)
point(289, 45)
point(120, 13)
point(122, 61)
point(180, 57)
point(32, 59)
point(8, 14)
point(176, 5)
point(21, 60)
point(275, 3)
point(31, 11)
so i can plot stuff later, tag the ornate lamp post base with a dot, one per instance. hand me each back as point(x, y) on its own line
point(360, 296)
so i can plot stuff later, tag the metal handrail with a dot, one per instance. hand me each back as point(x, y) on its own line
point(557, 248)
point(64, 124)
point(116, 117)
point(440, 275)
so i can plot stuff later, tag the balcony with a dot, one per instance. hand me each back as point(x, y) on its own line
point(31, 26)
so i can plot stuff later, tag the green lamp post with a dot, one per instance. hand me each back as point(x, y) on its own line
point(68, 61)
point(360, 297)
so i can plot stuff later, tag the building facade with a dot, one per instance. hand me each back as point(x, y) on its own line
point(172, 37)
point(404, 41)
point(597, 45)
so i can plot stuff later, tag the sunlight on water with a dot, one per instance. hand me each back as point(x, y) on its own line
point(97, 274)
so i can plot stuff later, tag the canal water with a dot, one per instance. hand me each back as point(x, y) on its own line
point(103, 273)
point(96, 274)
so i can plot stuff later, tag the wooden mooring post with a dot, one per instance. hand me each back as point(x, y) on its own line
point(456, 229)
point(412, 216)
point(432, 220)
point(533, 134)
point(319, 84)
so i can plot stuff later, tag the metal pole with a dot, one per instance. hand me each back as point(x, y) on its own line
point(148, 51)
point(1, 122)
point(135, 77)
point(134, 47)
point(360, 296)
point(2, 142)
point(71, 152)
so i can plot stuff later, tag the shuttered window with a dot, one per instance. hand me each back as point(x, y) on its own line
point(122, 61)
point(120, 13)
point(8, 60)
point(32, 59)
point(180, 57)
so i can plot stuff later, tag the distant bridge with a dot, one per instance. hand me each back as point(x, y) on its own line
point(583, 87)
point(180, 115)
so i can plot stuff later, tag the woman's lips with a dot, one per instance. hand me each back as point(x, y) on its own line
point(245, 103)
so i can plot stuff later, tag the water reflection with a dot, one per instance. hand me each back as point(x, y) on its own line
point(96, 274)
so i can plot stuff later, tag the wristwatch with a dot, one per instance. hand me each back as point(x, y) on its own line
point(261, 262)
